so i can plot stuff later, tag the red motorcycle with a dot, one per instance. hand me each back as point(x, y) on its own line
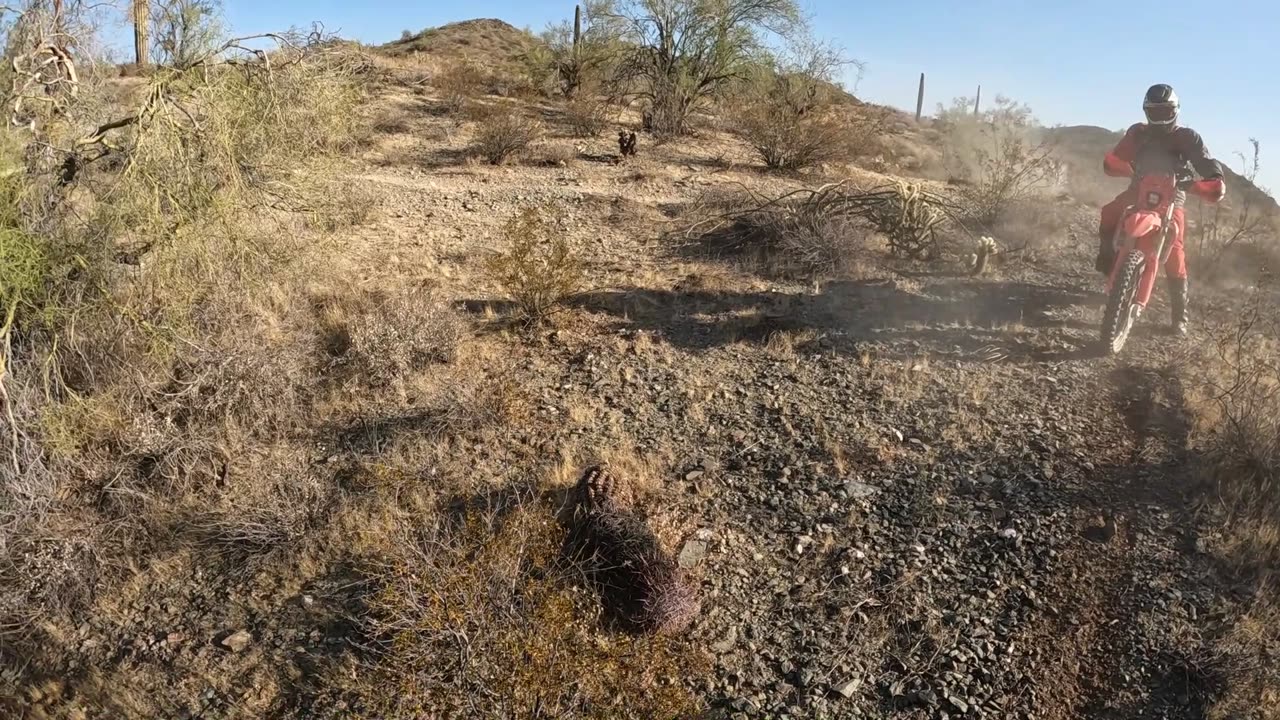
point(1141, 248)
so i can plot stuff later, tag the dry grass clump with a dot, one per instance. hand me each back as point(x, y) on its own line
point(271, 500)
point(504, 132)
point(479, 615)
point(539, 270)
point(383, 336)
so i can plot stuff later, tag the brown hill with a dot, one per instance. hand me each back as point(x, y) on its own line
point(494, 41)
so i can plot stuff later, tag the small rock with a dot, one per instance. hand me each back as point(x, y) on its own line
point(693, 475)
point(238, 641)
point(726, 644)
point(857, 489)
point(849, 688)
point(692, 554)
point(1009, 534)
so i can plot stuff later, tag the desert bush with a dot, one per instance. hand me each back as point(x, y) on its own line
point(587, 114)
point(820, 245)
point(458, 83)
point(539, 270)
point(504, 132)
point(145, 240)
point(824, 230)
point(1236, 388)
point(1233, 393)
point(575, 56)
point(787, 141)
point(789, 239)
point(790, 112)
point(998, 157)
point(1231, 239)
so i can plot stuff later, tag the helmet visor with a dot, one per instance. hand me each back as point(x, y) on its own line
point(1161, 114)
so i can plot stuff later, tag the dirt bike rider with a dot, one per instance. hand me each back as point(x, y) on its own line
point(1160, 145)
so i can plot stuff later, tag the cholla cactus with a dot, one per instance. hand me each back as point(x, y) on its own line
point(986, 247)
point(640, 584)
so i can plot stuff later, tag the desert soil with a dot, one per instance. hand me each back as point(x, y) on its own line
point(905, 492)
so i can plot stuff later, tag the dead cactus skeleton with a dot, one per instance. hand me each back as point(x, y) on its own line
point(982, 254)
point(908, 215)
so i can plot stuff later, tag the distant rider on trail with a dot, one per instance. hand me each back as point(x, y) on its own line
point(1159, 145)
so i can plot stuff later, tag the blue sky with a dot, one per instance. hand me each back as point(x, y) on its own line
point(1082, 62)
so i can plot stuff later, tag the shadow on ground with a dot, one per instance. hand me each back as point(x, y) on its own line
point(997, 320)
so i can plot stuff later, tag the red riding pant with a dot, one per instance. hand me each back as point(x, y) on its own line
point(1113, 212)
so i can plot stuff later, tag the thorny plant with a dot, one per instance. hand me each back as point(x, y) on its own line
point(540, 269)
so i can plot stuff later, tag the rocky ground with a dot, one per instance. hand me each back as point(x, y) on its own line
point(905, 492)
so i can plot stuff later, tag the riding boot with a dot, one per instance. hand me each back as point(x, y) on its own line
point(1178, 304)
point(1106, 254)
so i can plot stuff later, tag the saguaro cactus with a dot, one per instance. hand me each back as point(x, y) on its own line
point(141, 36)
point(920, 99)
point(571, 69)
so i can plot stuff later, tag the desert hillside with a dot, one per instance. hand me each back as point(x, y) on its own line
point(373, 387)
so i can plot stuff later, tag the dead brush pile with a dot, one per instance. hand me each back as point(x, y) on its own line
point(822, 231)
point(1234, 396)
point(156, 355)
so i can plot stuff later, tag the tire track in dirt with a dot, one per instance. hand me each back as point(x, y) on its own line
point(1119, 654)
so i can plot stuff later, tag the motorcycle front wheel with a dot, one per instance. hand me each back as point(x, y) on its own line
point(1121, 310)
